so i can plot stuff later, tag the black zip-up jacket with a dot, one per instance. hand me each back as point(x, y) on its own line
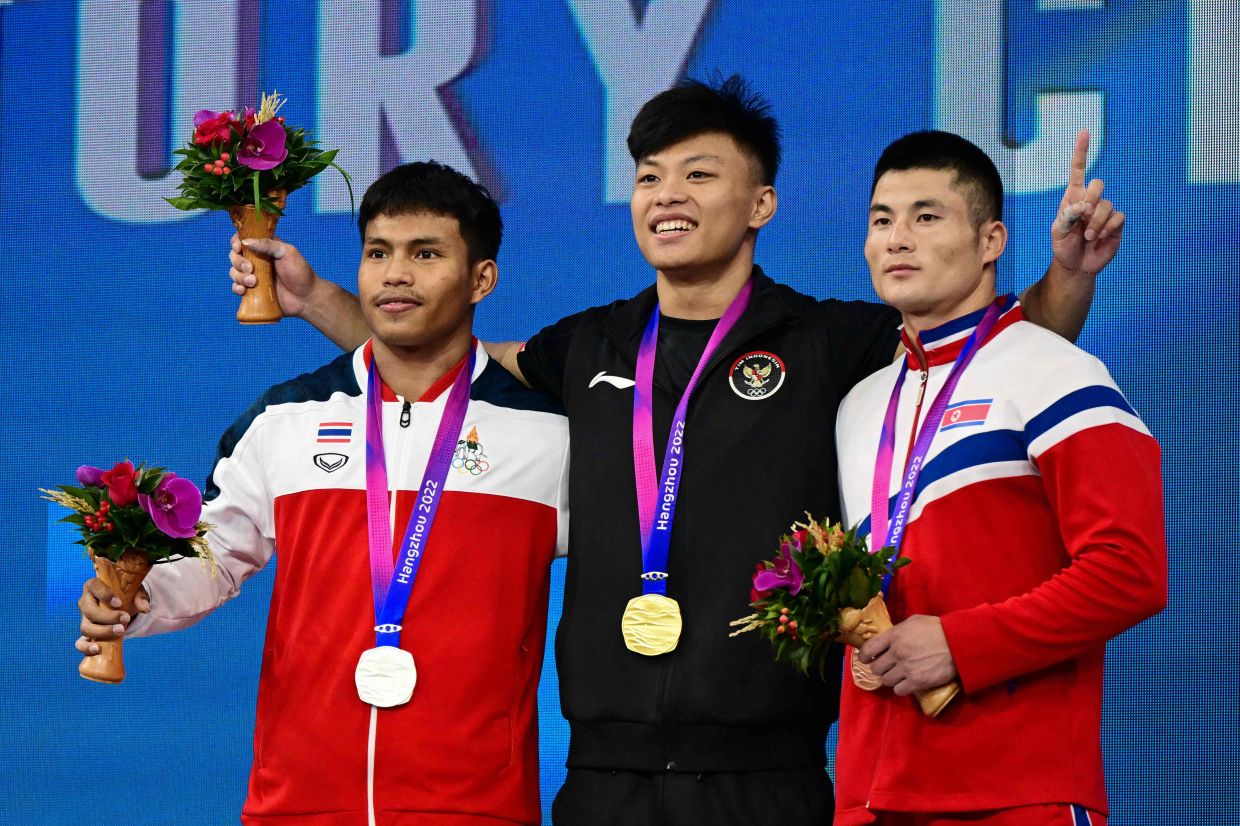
point(755, 460)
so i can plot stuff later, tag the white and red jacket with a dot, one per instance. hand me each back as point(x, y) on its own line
point(1036, 534)
point(291, 479)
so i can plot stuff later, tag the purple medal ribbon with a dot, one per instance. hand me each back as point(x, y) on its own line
point(879, 537)
point(656, 528)
point(392, 583)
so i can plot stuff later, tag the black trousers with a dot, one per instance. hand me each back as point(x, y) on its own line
point(783, 797)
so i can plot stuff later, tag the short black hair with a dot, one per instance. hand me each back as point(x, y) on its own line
point(432, 187)
point(693, 108)
point(932, 149)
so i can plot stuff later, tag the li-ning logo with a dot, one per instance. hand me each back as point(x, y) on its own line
point(470, 457)
point(614, 381)
point(330, 462)
point(756, 375)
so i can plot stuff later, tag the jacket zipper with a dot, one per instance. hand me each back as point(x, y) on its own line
point(921, 395)
point(398, 446)
point(665, 678)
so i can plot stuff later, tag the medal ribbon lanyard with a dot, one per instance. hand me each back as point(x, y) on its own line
point(879, 537)
point(392, 583)
point(656, 528)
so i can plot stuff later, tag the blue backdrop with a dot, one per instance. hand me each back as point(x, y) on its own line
point(120, 339)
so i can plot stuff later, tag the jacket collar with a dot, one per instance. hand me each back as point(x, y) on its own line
point(361, 365)
point(768, 307)
point(943, 344)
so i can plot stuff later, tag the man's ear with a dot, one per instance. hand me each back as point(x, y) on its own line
point(994, 241)
point(764, 207)
point(484, 275)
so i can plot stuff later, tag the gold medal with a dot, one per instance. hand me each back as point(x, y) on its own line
point(651, 624)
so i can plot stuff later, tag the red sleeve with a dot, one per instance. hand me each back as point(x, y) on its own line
point(1105, 488)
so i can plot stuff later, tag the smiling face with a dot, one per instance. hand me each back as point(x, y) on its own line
point(927, 258)
point(416, 284)
point(697, 206)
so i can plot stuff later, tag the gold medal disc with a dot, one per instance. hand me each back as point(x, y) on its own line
point(651, 624)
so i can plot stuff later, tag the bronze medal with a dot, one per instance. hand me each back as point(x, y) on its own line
point(863, 676)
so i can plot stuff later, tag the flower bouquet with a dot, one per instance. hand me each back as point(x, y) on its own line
point(131, 518)
point(247, 164)
point(824, 587)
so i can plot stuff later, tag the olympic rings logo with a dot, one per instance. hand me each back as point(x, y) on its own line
point(470, 460)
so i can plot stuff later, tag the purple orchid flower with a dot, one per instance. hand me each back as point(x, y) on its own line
point(263, 146)
point(786, 574)
point(174, 506)
point(90, 476)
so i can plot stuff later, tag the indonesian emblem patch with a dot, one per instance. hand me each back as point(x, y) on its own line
point(757, 375)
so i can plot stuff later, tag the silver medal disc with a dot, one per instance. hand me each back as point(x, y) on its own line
point(385, 676)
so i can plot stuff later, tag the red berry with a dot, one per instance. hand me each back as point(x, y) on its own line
point(780, 630)
point(226, 170)
point(218, 170)
point(783, 620)
point(224, 156)
point(207, 167)
point(783, 611)
point(793, 625)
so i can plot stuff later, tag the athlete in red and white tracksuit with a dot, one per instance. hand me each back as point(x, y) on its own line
point(1036, 535)
point(290, 479)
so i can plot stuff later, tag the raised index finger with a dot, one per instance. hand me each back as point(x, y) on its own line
point(1080, 158)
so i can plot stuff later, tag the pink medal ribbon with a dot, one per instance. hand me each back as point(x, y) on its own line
point(391, 590)
point(879, 501)
point(656, 528)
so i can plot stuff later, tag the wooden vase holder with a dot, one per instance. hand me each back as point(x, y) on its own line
point(124, 578)
point(874, 619)
point(259, 305)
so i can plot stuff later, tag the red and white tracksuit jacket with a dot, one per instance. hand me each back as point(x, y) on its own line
point(290, 479)
point(1036, 534)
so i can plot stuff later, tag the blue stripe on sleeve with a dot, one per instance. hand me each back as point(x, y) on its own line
point(1075, 402)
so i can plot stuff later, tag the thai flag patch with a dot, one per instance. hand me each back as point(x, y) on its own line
point(970, 413)
point(335, 433)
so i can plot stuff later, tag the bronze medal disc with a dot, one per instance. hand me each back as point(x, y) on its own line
point(651, 624)
point(863, 676)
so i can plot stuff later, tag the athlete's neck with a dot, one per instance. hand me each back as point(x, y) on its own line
point(411, 370)
point(919, 321)
point(702, 294)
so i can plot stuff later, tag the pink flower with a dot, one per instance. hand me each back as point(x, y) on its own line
point(263, 146)
point(786, 574)
point(754, 594)
point(174, 506)
point(90, 476)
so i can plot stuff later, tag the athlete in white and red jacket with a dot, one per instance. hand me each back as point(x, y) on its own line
point(291, 480)
point(1035, 532)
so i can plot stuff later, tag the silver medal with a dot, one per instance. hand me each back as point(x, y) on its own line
point(385, 676)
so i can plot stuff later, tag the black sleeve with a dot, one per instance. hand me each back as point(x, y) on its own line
point(863, 338)
point(544, 357)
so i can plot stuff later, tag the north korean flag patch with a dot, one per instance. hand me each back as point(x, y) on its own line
point(970, 413)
